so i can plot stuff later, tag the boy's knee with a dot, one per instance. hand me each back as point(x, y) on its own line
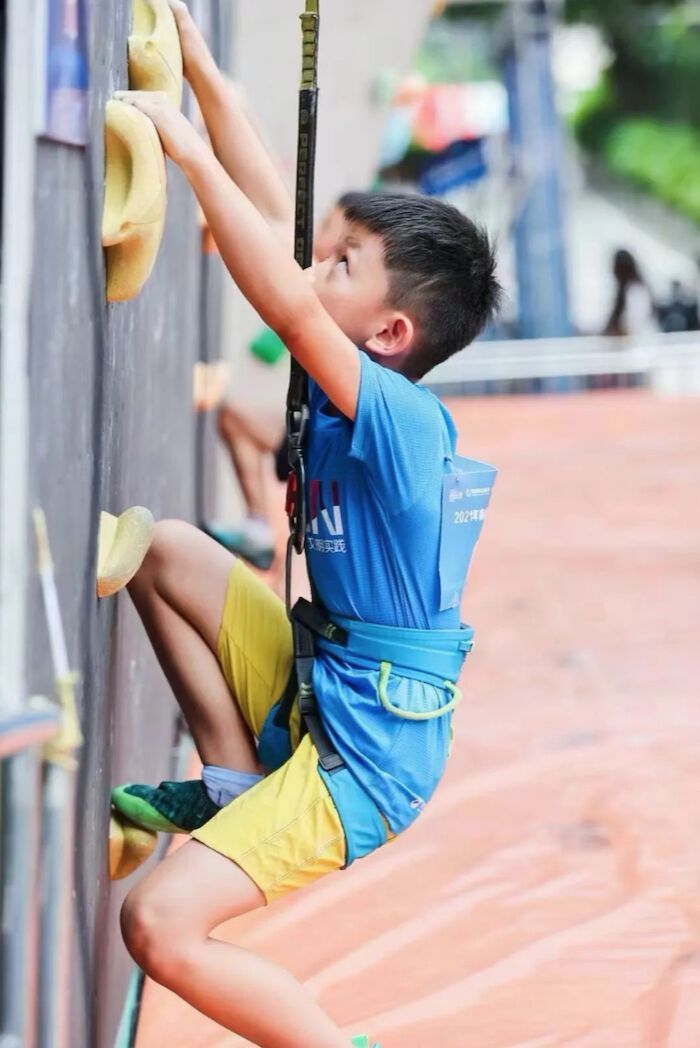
point(170, 538)
point(147, 929)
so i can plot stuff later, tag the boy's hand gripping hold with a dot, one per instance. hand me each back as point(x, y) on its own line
point(197, 59)
point(179, 138)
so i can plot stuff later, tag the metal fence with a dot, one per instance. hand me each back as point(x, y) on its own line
point(668, 364)
point(35, 883)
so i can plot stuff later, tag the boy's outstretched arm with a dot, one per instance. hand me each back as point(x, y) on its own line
point(234, 139)
point(265, 271)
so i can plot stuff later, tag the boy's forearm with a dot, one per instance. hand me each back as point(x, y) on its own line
point(240, 150)
point(259, 263)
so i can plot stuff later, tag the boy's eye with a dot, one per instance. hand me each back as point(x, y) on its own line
point(343, 261)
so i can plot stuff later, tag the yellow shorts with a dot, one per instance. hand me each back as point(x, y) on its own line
point(287, 830)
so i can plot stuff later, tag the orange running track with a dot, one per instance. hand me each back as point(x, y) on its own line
point(550, 896)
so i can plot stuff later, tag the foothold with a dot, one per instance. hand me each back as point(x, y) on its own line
point(155, 55)
point(135, 199)
point(122, 543)
point(268, 346)
point(129, 846)
point(209, 383)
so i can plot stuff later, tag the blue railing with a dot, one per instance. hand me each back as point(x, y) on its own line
point(30, 851)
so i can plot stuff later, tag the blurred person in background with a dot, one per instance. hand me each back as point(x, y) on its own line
point(634, 311)
point(252, 436)
point(680, 311)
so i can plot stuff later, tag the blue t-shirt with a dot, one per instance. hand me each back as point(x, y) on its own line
point(373, 539)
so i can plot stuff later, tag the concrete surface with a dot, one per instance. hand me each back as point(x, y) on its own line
point(549, 896)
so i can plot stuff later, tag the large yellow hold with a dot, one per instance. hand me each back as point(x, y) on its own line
point(155, 56)
point(135, 199)
point(122, 544)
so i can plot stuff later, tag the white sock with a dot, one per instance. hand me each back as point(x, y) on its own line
point(223, 784)
point(259, 531)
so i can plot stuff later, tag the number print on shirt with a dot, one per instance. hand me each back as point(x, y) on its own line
point(469, 516)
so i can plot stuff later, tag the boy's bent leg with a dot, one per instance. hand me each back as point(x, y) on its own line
point(166, 927)
point(249, 439)
point(180, 594)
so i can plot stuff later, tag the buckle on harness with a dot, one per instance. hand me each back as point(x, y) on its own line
point(329, 760)
point(295, 505)
point(292, 494)
point(307, 701)
point(313, 618)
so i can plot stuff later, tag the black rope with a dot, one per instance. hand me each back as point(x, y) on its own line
point(297, 395)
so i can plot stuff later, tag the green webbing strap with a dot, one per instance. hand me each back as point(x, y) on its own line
point(309, 45)
point(411, 715)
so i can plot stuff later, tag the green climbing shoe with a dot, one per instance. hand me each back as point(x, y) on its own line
point(361, 1040)
point(258, 552)
point(171, 807)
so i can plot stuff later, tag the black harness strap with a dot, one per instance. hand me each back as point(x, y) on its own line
point(309, 620)
point(300, 683)
point(315, 618)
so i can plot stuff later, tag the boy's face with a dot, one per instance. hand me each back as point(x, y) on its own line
point(352, 282)
point(327, 233)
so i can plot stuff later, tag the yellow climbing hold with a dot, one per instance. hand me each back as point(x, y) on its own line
point(135, 199)
point(210, 380)
point(122, 543)
point(155, 56)
point(129, 846)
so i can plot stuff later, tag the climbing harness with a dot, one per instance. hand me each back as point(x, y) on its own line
point(433, 656)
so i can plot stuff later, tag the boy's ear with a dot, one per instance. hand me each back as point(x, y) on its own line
point(395, 337)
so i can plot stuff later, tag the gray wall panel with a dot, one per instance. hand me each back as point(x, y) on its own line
point(111, 425)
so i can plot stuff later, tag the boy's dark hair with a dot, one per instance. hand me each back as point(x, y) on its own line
point(441, 266)
point(355, 196)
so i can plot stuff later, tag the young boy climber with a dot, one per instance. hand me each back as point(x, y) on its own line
point(409, 282)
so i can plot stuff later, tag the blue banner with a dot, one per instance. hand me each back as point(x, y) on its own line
point(461, 164)
point(67, 78)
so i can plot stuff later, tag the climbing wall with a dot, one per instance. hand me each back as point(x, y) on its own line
point(111, 425)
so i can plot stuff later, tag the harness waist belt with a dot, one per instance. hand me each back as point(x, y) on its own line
point(431, 655)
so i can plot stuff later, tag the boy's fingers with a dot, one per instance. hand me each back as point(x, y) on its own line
point(178, 8)
point(141, 97)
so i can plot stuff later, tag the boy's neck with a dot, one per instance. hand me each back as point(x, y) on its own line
point(398, 362)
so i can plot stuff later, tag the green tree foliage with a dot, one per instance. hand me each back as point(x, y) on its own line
point(656, 54)
point(661, 158)
point(643, 119)
point(617, 18)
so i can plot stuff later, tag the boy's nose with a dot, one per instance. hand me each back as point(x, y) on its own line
point(310, 273)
